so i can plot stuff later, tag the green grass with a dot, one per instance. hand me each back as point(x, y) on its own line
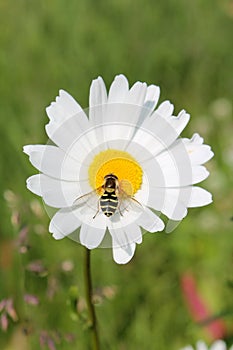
point(186, 48)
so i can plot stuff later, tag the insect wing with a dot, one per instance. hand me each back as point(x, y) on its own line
point(89, 199)
point(127, 203)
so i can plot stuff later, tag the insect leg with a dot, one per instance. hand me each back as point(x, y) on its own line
point(97, 209)
point(119, 207)
point(120, 211)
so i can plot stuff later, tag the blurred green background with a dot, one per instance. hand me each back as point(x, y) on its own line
point(186, 48)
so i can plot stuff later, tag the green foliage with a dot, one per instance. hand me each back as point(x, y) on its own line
point(186, 48)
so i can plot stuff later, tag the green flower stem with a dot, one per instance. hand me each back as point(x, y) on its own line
point(90, 306)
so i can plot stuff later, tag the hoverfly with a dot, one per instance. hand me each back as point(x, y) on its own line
point(109, 201)
point(111, 198)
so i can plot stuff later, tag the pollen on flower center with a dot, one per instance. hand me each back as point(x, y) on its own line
point(119, 163)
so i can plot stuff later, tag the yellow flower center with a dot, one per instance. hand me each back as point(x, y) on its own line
point(119, 163)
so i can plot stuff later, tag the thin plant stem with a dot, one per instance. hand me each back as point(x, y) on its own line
point(90, 306)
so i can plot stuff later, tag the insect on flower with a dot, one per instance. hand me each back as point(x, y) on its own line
point(112, 196)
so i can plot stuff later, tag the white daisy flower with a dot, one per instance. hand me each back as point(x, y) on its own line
point(109, 172)
point(217, 345)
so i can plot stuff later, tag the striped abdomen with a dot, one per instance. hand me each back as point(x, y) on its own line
point(108, 203)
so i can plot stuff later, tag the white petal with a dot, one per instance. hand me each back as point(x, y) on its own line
point(123, 255)
point(124, 113)
point(152, 97)
point(129, 216)
point(67, 120)
point(55, 193)
point(119, 236)
point(64, 222)
point(52, 161)
point(69, 132)
point(199, 197)
point(189, 347)
point(179, 123)
point(124, 231)
point(133, 233)
point(150, 221)
point(173, 202)
point(98, 93)
point(119, 132)
point(171, 170)
point(198, 153)
point(97, 108)
point(64, 107)
point(33, 184)
point(199, 173)
point(165, 109)
point(159, 131)
point(169, 201)
point(139, 152)
point(90, 214)
point(148, 141)
point(91, 237)
point(137, 94)
point(196, 138)
point(118, 89)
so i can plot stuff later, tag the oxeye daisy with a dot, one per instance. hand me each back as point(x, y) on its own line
point(110, 169)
